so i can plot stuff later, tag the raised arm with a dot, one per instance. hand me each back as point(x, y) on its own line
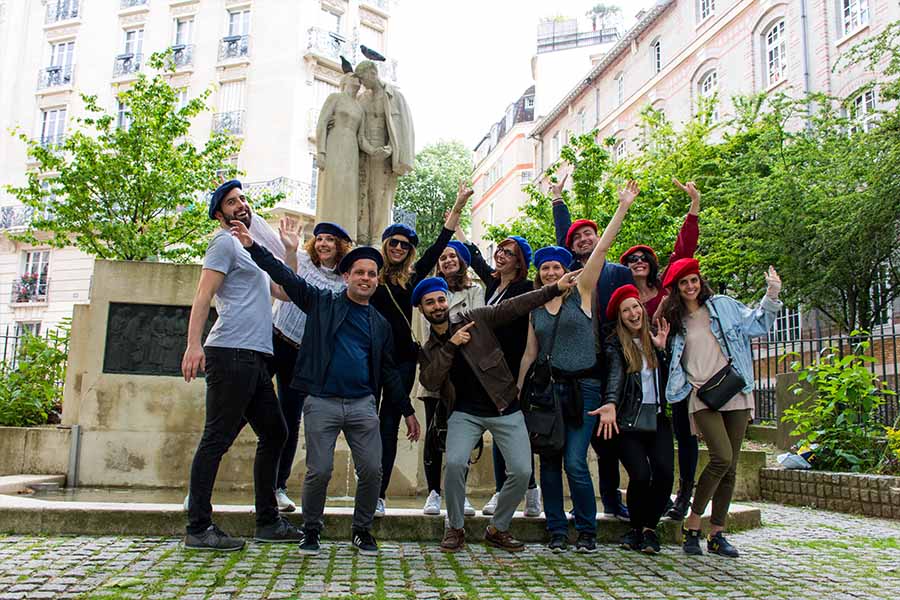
point(689, 234)
point(758, 321)
point(511, 309)
point(561, 217)
point(484, 271)
point(594, 265)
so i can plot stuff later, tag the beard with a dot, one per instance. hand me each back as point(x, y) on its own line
point(245, 220)
point(437, 317)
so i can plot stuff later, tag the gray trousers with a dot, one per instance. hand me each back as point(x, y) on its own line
point(511, 436)
point(324, 419)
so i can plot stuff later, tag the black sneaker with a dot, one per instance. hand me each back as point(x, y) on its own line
point(212, 539)
point(691, 542)
point(559, 542)
point(717, 544)
point(365, 543)
point(586, 543)
point(650, 544)
point(279, 532)
point(618, 511)
point(632, 540)
point(309, 542)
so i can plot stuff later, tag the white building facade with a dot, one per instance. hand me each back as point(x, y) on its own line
point(271, 63)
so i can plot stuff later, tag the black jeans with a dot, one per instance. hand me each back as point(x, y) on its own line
point(649, 459)
point(291, 401)
point(238, 387)
point(688, 450)
point(607, 471)
point(389, 417)
point(432, 458)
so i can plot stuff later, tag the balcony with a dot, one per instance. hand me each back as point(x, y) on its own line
point(234, 46)
point(15, 217)
point(328, 45)
point(55, 76)
point(61, 10)
point(229, 122)
point(51, 142)
point(30, 288)
point(183, 55)
point(123, 4)
point(382, 6)
point(126, 64)
point(297, 194)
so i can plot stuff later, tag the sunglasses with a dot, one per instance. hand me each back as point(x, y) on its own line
point(393, 243)
point(505, 251)
point(636, 258)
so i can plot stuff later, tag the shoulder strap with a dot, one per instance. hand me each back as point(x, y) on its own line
point(402, 314)
point(553, 335)
point(713, 313)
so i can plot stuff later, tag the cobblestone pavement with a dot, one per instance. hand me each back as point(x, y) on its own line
point(799, 553)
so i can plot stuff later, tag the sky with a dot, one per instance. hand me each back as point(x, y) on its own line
point(462, 62)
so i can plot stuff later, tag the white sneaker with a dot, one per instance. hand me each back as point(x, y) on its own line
point(491, 505)
point(285, 504)
point(380, 508)
point(187, 502)
point(533, 506)
point(432, 504)
point(468, 509)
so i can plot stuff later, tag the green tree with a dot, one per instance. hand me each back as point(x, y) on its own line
point(129, 193)
point(604, 13)
point(430, 189)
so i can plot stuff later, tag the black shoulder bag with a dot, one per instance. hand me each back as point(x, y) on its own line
point(541, 405)
point(726, 382)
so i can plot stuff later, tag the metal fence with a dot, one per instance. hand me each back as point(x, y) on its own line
point(773, 356)
point(11, 339)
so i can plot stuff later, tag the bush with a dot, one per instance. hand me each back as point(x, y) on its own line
point(891, 464)
point(31, 389)
point(840, 415)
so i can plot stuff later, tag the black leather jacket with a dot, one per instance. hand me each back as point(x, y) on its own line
point(624, 389)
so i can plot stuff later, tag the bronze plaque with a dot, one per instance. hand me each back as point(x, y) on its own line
point(148, 339)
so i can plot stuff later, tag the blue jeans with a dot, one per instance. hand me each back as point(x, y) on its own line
point(574, 457)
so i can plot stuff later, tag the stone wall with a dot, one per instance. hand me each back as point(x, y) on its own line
point(871, 495)
point(34, 450)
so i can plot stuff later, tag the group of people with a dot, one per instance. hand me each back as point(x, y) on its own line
point(639, 356)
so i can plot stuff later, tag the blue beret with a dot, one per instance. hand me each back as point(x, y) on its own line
point(524, 246)
point(358, 254)
point(428, 285)
point(461, 251)
point(332, 229)
point(557, 253)
point(401, 229)
point(220, 192)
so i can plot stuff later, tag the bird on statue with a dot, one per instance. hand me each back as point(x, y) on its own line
point(371, 54)
point(346, 65)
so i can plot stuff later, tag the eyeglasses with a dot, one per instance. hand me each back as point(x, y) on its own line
point(636, 258)
point(393, 243)
point(506, 252)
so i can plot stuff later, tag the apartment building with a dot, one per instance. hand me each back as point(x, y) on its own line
point(271, 63)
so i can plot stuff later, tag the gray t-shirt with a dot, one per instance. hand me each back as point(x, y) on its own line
point(243, 301)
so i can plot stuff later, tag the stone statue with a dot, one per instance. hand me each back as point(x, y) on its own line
point(388, 128)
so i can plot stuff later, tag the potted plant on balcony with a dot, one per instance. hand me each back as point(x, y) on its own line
point(25, 289)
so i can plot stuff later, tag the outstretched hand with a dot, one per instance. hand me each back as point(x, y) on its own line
point(607, 426)
point(556, 189)
point(690, 188)
point(240, 231)
point(628, 193)
point(773, 283)
point(569, 280)
point(464, 192)
point(462, 335)
point(289, 232)
point(662, 333)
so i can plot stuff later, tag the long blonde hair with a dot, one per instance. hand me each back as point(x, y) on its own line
point(398, 274)
point(634, 354)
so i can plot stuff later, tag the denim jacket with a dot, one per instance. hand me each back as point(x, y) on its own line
point(739, 323)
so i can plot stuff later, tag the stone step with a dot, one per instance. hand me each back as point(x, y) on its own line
point(22, 515)
point(19, 484)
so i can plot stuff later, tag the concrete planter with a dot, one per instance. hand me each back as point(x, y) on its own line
point(871, 495)
point(34, 450)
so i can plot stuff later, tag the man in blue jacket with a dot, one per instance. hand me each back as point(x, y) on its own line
point(347, 357)
point(580, 238)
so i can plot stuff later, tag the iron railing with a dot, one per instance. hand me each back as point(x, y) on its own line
point(61, 10)
point(15, 217)
point(297, 194)
point(229, 122)
point(132, 3)
point(125, 64)
point(52, 141)
point(773, 356)
point(55, 76)
point(234, 46)
point(183, 55)
point(30, 291)
point(11, 339)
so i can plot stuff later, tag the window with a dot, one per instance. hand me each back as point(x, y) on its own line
point(776, 48)
point(863, 111)
point(621, 150)
point(184, 32)
point(620, 89)
point(788, 326)
point(330, 21)
point(37, 265)
point(554, 146)
point(491, 214)
point(705, 8)
point(61, 54)
point(597, 106)
point(529, 103)
point(525, 177)
point(510, 116)
point(655, 57)
point(123, 116)
point(854, 14)
point(181, 98)
point(134, 42)
point(582, 122)
point(53, 126)
point(709, 84)
point(231, 96)
point(34, 328)
point(371, 37)
point(239, 23)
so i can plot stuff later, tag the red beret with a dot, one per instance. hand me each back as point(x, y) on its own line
point(578, 225)
point(620, 295)
point(681, 268)
point(647, 249)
